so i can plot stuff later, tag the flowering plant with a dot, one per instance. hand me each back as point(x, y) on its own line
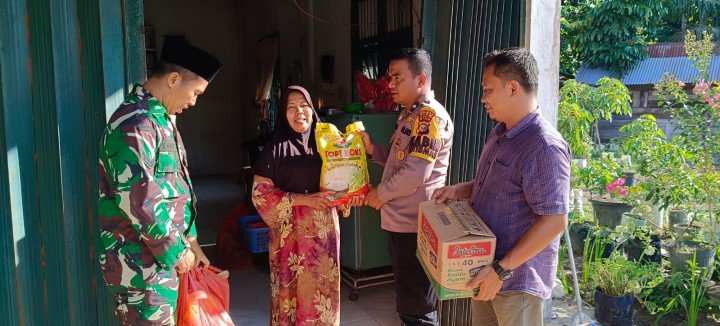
point(617, 188)
point(698, 130)
point(600, 171)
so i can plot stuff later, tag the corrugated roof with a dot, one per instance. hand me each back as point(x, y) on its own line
point(649, 71)
point(672, 49)
point(666, 50)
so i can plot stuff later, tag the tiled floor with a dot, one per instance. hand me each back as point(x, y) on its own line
point(250, 288)
point(250, 293)
point(250, 301)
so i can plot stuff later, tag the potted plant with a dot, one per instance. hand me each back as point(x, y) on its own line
point(581, 225)
point(641, 237)
point(617, 281)
point(610, 207)
point(697, 116)
point(581, 108)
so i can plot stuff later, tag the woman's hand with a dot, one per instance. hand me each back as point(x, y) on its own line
point(318, 200)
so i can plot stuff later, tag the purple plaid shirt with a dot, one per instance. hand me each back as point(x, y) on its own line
point(522, 173)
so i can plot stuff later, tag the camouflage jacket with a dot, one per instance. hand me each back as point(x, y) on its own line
point(146, 198)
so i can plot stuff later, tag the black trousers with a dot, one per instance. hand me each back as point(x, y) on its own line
point(416, 302)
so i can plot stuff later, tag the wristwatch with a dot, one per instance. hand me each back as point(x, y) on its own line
point(503, 274)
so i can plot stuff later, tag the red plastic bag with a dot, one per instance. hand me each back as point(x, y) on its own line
point(203, 298)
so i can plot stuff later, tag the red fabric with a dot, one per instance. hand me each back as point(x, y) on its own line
point(375, 91)
point(367, 88)
point(203, 298)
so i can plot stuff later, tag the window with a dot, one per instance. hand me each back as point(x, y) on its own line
point(379, 28)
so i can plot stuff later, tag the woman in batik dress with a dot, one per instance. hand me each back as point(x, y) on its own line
point(304, 244)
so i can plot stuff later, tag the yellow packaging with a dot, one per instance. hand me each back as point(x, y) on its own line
point(344, 168)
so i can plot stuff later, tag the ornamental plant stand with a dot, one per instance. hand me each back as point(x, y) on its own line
point(609, 213)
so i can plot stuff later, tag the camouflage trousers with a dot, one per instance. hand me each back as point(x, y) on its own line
point(144, 294)
point(134, 311)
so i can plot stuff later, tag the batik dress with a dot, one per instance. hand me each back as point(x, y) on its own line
point(304, 252)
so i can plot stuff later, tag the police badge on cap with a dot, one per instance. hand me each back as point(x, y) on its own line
point(179, 52)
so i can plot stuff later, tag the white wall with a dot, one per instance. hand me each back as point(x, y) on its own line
point(212, 130)
point(333, 40)
point(259, 19)
point(542, 38)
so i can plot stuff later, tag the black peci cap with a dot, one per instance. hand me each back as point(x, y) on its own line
point(179, 52)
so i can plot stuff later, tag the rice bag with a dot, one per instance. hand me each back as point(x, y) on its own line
point(344, 168)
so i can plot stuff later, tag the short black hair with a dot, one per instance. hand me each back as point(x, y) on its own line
point(514, 64)
point(418, 60)
point(163, 68)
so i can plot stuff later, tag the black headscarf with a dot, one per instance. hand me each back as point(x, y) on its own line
point(291, 159)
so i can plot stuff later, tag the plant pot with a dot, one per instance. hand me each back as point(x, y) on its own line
point(633, 219)
point(684, 231)
point(581, 163)
point(682, 253)
point(629, 177)
point(635, 248)
point(677, 216)
point(658, 216)
point(615, 311)
point(578, 234)
point(608, 213)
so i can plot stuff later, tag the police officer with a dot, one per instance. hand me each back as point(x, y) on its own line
point(415, 165)
point(147, 205)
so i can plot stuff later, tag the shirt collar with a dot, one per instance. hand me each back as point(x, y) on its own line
point(524, 123)
point(154, 105)
point(424, 98)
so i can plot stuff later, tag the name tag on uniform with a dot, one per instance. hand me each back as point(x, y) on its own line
point(167, 145)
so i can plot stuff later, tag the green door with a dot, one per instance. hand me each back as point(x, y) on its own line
point(64, 65)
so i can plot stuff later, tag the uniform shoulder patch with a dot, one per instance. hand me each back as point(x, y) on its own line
point(425, 139)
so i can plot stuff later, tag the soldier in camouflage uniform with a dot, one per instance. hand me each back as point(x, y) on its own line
point(147, 206)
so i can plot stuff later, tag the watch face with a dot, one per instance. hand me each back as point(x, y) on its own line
point(506, 276)
point(502, 273)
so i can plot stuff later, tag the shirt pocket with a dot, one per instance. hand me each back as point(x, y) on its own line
point(500, 178)
point(168, 162)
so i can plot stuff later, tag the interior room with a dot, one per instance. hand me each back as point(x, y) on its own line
point(265, 46)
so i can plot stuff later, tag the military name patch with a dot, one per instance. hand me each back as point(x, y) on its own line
point(167, 145)
point(405, 130)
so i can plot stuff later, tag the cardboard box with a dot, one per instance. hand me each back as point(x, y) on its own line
point(453, 245)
